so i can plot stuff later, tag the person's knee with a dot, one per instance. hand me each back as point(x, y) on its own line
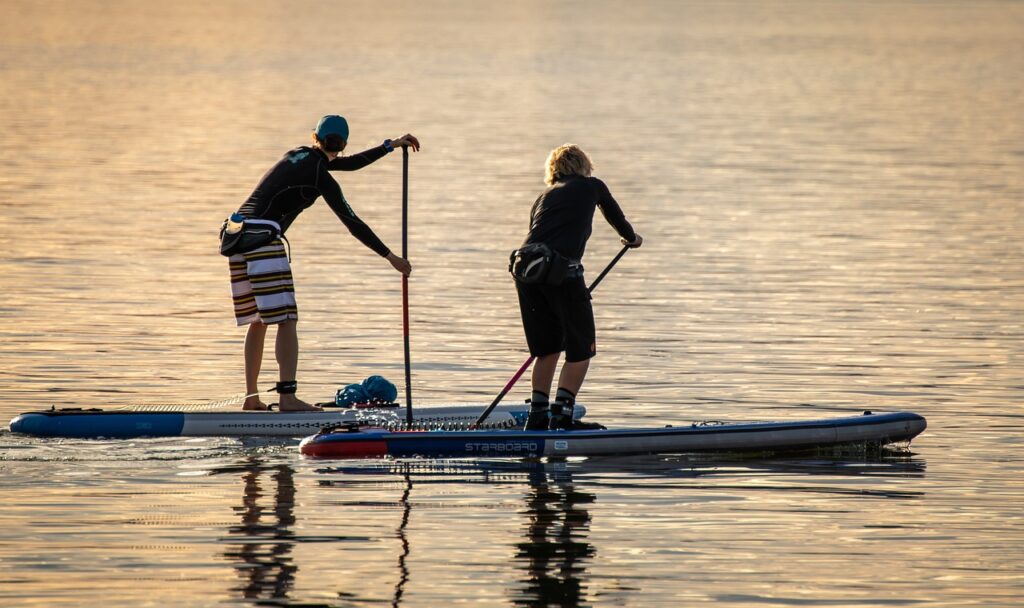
point(577, 367)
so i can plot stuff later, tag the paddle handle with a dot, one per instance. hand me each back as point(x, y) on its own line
point(526, 365)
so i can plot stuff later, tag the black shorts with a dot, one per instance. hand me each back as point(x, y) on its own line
point(558, 318)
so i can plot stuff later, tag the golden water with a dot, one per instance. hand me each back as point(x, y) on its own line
point(832, 195)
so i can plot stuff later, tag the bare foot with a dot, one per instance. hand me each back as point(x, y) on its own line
point(254, 404)
point(291, 403)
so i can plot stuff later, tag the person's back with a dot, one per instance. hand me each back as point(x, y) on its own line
point(563, 215)
point(289, 187)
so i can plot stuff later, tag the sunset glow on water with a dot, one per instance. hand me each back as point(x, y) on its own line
point(831, 196)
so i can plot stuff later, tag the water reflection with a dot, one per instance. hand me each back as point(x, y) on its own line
point(403, 567)
point(553, 554)
point(260, 546)
point(555, 551)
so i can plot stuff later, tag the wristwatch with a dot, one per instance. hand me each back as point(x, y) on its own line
point(388, 145)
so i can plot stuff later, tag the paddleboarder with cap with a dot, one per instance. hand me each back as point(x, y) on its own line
point(555, 306)
point(261, 280)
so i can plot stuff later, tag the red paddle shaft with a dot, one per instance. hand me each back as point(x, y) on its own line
point(405, 283)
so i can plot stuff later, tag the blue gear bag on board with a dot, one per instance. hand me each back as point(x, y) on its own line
point(375, 389)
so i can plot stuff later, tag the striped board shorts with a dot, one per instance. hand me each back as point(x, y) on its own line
point(262, 287)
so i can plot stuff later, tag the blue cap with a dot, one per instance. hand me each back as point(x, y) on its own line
point(332, 125)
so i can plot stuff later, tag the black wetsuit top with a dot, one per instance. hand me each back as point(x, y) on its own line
point(563, 215)
point(298, 179)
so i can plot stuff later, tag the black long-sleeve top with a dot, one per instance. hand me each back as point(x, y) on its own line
point(302, 176)
point(563, 215)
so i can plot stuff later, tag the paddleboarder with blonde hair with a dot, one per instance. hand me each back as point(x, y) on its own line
point(555, 301)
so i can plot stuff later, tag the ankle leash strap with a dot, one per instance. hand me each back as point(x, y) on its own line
point(286, 388)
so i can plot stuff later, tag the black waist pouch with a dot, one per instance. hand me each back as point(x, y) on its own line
point(538, 264)
point(253, 235)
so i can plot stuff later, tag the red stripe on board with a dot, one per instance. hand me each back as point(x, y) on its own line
point(345, 449)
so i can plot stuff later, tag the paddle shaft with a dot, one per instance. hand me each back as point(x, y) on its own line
point(405, 284)
point(526, 365)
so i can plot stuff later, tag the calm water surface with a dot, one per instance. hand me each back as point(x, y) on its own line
point(831, 194)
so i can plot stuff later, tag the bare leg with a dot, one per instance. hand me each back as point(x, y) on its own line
point(544, 372)
point(287, 352)
point(572, 376)
point(253, 361)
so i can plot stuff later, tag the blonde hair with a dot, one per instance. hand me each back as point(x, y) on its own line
point(566, 160)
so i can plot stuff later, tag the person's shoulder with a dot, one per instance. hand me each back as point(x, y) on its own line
point(595, 184)
point(302, 155)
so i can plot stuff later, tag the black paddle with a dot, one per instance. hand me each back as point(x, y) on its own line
point(405, 283)
point(526, 364)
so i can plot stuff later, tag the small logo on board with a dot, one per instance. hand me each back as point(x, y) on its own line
point(512, 447)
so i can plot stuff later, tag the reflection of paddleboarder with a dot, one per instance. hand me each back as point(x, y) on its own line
point(557, 313)
point(262, 555)
point(554, 552)
point(261, 280)
point(555, 549)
